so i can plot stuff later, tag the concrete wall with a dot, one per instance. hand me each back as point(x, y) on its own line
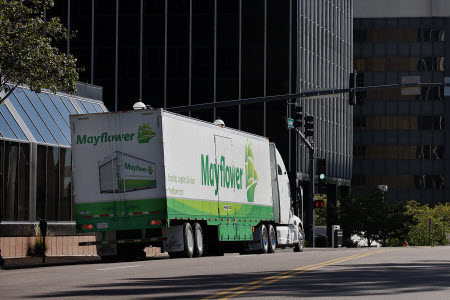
point(57, 246)
point(400, 8)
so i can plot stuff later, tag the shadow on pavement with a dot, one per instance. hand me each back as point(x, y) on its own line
point(334, 280)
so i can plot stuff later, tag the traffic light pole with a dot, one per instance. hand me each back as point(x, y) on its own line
point(311, 225)
point(310, 229)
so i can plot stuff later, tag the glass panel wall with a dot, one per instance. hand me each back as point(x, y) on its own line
point(41, 181)
point(11, 181)
point(65, 185)
point(24, 182)
point(52, 204)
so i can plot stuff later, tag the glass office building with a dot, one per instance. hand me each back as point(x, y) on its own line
point(400, 136)
point(179, 52)
point(35, 157)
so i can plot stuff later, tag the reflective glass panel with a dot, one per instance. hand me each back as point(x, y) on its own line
point(61, 107)
point(48, 120)
point(28, 107)
point(89, 107)
point(52, 205)
point(11, 178)
point(97, 107)
point(2, 151)
point(12, 98)
point(56, 115)
point(65, 184)
point(6, 130)
point(69, 106)
point(104, 108)
point(78, 102)
point(12, 123)
point(24, 182)
point(41, 181)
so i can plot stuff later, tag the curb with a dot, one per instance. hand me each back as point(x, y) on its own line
point(43, 265)
point(80, 262)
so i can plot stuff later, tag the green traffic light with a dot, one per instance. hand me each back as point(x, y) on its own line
point(322, 176)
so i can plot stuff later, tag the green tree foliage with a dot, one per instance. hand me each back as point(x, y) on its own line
point(27, 52)
point(372, 217)
point(440, 219)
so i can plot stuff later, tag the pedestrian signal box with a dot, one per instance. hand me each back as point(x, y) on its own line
point(319, 204)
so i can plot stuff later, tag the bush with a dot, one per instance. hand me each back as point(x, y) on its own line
point(440, 224)
point(37, 249)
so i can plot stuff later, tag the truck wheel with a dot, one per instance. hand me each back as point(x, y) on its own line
point(298, 247)
point(264, 239)
point(272, 238)
point(198, 240)
point(188, 240)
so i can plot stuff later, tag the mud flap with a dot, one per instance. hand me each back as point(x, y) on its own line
point(108, 249)
point(255, 245)
point(174, 242)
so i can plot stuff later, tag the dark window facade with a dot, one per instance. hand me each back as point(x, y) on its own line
point(400, 135)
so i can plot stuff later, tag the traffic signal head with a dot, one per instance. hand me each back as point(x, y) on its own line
point(298, 116)
point(322, 168)
point(309, 125)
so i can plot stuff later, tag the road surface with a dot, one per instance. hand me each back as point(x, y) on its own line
point(378, 273)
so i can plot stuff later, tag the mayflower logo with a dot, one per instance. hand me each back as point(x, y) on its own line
point(144, 135)
point(250, 172)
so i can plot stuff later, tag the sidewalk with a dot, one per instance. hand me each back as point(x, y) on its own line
point(36, 262)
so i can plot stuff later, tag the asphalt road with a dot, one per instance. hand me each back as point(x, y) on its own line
point(378, 273)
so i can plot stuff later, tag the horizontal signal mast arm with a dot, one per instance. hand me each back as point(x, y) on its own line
point(304, 95)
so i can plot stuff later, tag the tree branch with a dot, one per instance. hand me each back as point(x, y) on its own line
point(9, 93)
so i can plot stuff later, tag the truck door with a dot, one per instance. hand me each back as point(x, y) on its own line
point(224, 157)
point(111, 168)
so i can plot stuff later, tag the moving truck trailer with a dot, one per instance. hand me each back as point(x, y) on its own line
point(151, 177)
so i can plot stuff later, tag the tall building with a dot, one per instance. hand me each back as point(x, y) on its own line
point(401, 135)
point(171, 53)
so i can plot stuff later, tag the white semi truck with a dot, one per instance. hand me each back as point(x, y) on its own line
point(151, 177)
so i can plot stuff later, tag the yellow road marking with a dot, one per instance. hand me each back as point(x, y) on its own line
point(270, 277)
point(233, 292)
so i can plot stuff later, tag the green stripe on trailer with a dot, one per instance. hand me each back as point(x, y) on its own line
point(138, 214)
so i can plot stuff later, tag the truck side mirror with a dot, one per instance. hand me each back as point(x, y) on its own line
point(43, 227)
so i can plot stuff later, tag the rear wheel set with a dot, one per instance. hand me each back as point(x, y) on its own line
point(193, 242)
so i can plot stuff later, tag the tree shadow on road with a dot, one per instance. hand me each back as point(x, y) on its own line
point(331, 281)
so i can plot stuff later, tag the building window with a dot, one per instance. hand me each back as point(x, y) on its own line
point(14, 181)
point(432, 122)
point(430, 152)
point(359, 122)
point(426, 182)
point(399, 35)
point(54, 186)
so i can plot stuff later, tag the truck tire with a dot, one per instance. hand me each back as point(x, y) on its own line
point(272, 238)
point(264, 239)
point(298, 247)
point(188, 237)
point(198, 240)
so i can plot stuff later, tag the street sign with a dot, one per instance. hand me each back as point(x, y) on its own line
point(290, 123)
